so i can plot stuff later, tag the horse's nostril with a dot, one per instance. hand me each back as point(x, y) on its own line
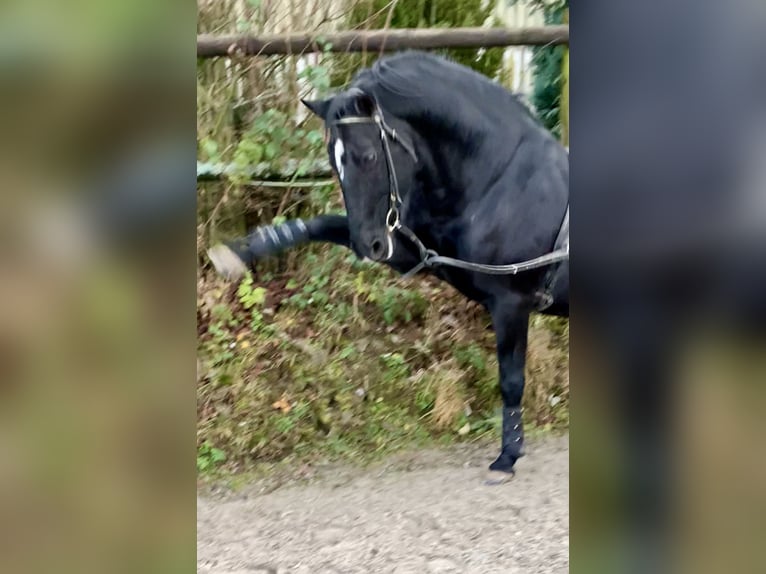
point(376, 248)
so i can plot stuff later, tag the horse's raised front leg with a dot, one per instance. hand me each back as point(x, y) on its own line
point(510, 317)
point(234, 257)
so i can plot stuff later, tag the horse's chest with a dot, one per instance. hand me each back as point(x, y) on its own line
point(463, 282)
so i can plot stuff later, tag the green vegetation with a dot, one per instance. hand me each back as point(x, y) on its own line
point(378, 14)
point(339, 359)
point(548, 65)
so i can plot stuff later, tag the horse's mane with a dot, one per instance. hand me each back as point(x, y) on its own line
point(428, 88)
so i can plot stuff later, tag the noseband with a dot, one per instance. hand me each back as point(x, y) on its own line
point(428, 257)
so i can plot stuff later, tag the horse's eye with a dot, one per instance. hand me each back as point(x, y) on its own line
point(369, 157)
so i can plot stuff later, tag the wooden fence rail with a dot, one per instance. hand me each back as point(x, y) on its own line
point(209, 46)
point(289, 170)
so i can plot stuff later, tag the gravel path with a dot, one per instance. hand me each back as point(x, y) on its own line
point(422, 513)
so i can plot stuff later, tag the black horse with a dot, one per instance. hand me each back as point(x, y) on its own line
point(434, 157)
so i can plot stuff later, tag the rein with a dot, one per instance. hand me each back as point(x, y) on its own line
point(428, 257)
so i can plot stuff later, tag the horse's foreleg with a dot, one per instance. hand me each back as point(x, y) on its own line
point(510, 317)
point(234, 257)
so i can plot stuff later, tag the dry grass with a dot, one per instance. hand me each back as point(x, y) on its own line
point(450, 399)
point(547, 390)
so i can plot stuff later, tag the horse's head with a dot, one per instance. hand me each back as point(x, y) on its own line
point(373, 156)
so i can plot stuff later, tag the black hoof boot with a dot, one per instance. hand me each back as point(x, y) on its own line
point(513, 447)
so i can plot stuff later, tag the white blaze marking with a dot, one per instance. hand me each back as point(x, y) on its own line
point(339, 158)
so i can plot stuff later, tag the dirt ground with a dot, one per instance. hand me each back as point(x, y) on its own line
point(418, 513)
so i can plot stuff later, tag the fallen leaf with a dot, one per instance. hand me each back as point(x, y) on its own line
point(282, 405)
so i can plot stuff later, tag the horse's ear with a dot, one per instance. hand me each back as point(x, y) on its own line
point(319, 107)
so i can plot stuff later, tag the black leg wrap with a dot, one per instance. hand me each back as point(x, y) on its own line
point(241, 248)
point(269, 239)
point(513, 440)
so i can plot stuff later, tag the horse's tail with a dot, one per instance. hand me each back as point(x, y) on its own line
point(232, 258)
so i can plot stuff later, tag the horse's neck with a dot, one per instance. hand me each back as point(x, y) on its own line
point(440, 190)
point(433, 204)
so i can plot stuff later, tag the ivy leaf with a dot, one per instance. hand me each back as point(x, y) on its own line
point(210, 148)
point(248, 153)
point(270, 151)
point(217, 455)
point(314, 137)
point(250, 297)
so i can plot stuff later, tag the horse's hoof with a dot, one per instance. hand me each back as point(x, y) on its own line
point(497, 477)
point(226, 262)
